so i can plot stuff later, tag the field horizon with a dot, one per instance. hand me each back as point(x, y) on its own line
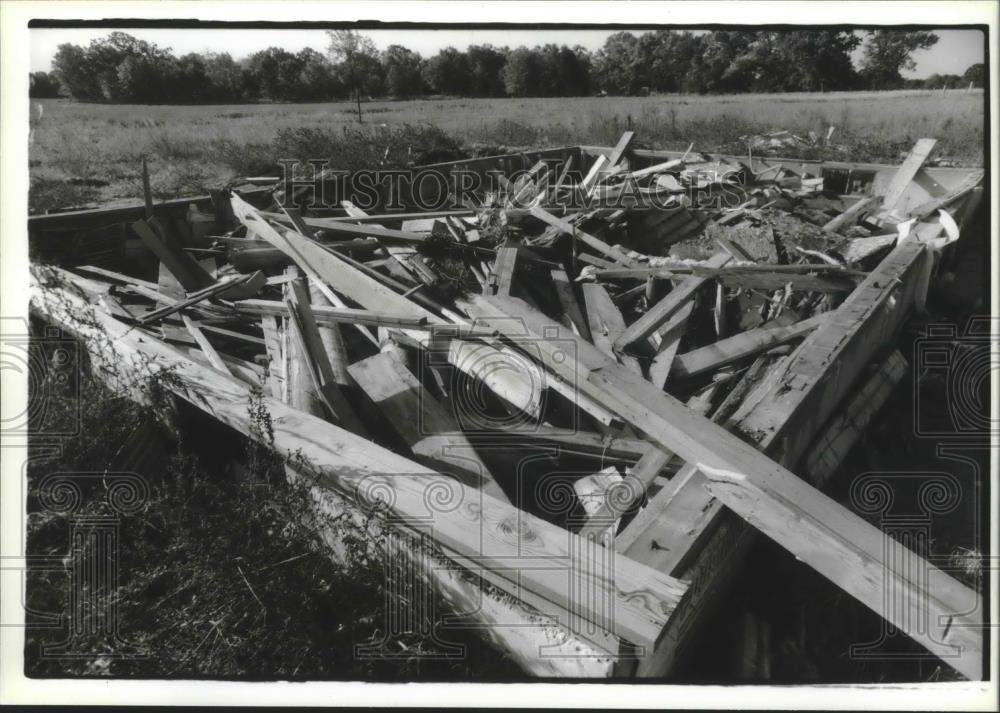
point(87, 154)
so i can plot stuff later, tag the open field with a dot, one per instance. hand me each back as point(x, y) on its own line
point(91, 153)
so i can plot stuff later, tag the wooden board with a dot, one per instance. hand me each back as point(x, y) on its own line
point(669, 336)
point(695, 539)
point(907, 170)
point(573, 315)
point(659, 313)
point(612, 253)
point(474, 525)
point(840, 545)
point(427, 427)
point(181, 265)
point(743, 345)
point(606, 323)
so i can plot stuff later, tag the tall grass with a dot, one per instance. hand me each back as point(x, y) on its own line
point(198, 147)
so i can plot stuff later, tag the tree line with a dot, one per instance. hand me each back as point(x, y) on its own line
point(123, 69)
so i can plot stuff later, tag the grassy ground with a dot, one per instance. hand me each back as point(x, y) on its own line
point(90, 153)
point(218, 572)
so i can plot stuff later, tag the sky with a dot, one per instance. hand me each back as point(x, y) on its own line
point(954, 52)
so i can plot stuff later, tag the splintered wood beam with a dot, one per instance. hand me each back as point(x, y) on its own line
point(334, 315)
point(623, 497)
point(206, 346)
point(214, 290)
point(352, 229)
point(655, 169)
point(830, 359)
point(590, 241)
point(590, 180)
point(313, 349)
point(851, 215)
point(567, 166)
point(618, 152)
point(669, 336)
point(515, 381)
point(904, 175)
point(687, 533)
point(117, 276)
point(501, 276)
point(740, 346)
point(405, 258)
point(663, 310)
point(184, 267)
point(815, 278)
point(303, 383)
point(843, 547)
point(523, 555)
point(332, 338)
point(845, 429)
point(571, 440)
point(274, 349)
point(428, 428)
point(606, 323)
point(572, 312)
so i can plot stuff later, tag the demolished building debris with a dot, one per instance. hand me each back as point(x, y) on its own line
point(680, 337)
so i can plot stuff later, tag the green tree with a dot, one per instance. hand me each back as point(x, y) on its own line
point(619, 67)
point(485, 66)
point(358, 61)
point(403, 77)
point(976, 73)
point(521, 73)
point(449, 72)
point(72, 67)
point(43, 85)
point(889, 52)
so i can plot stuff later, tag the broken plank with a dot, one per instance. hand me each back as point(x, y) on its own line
point(572, 440)
point(502, 275)
point(659, 313)
point(213, 290)
point(303, 384)
point(421, 420)
point(184, 267)
point(904, 175)
point(851, 215)
point(842, 546)
point(566, 295)
point(618, 152)
point(303, 323)
point(669, 336)
point(589, 240)
point(699, 541)
point(332, 338)
point(335, 315)
point(206, 346)
point(631, 600)
point(352, 229)
point(811, 277)
point(606, 323)
point(740, 346)
point(274, 351)
point(590, 180)
point(632, 490)
point(671, 165)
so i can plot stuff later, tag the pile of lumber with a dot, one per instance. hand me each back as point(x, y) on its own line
point(606, 365)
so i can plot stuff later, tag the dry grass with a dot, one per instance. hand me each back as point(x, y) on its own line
point(90, 152)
